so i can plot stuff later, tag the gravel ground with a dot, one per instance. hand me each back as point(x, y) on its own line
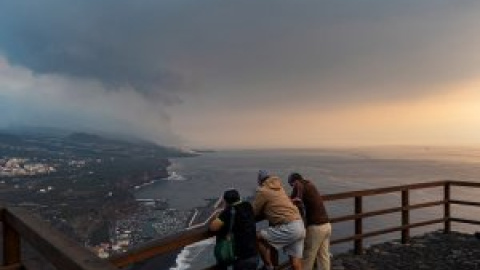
point(455, 251)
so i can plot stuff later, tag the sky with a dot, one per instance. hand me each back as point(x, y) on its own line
point(245, 74)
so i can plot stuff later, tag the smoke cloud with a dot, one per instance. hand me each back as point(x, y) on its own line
point(120, 65)
point(79, 105)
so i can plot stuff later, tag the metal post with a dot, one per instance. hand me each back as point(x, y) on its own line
point(446, 208)
point(358, 226)
point(405, 216)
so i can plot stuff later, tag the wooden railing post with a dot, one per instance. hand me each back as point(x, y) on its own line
point(358, 226)
point(405, 216)
point(446, 208)
point(11, 245)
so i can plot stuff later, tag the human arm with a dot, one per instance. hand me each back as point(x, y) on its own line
point(217, 223)
point(297, 193)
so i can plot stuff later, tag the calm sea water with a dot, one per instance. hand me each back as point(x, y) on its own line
point(333, 171)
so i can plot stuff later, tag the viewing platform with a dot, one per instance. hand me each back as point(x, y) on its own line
point(439, 250)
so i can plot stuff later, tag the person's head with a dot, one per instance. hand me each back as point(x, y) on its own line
point(231, 196)
point(294, 177)
point(262, 176)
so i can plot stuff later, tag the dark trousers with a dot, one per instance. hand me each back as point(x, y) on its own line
point(242, 264)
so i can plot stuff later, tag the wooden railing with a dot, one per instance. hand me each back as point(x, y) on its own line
point(174, 242)
point(404, 209)
point(56, 248)
point(63, 253)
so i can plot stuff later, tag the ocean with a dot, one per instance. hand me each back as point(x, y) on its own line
point(198, 179)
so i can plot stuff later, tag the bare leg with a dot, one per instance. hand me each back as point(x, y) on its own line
point(296, 263)
point(265, 250)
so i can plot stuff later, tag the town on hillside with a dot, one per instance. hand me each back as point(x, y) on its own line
point(83, 185)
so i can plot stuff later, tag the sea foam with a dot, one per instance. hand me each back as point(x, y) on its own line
point(190, 252)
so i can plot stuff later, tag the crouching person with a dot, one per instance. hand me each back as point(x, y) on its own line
point(237, 222)
point(286, 230)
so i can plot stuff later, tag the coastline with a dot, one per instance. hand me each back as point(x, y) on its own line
point(173, 260)
point(168, 260)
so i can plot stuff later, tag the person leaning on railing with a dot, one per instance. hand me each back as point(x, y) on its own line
point(243, 229)
point(317, 240)
point(286, 229)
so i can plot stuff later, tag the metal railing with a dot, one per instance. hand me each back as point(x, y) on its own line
point(63, 253)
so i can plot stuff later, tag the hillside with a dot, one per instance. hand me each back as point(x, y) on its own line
point(77, 181)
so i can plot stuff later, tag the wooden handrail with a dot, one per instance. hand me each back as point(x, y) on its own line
point(464, 183)
point(165, 245)
point(375, 233)
point(385, 190)
point(11, 245)
point(66, 254)
point(468, 221)
point(385, 231)
point(386, 211)
point(59, 250)
point(161, 246)
point(464, 203)
point(174, 242)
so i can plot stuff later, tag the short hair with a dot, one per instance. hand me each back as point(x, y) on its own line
point(231, 196)
point(294, 177)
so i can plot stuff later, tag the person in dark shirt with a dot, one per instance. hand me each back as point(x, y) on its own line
point(317, 240)
point(244, 232)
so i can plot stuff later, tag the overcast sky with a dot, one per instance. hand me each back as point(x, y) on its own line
point(245, 74)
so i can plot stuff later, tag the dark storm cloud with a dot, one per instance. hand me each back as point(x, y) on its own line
point(238, 53)
point(161, 47)
point(82, 105)
point(115, 42)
